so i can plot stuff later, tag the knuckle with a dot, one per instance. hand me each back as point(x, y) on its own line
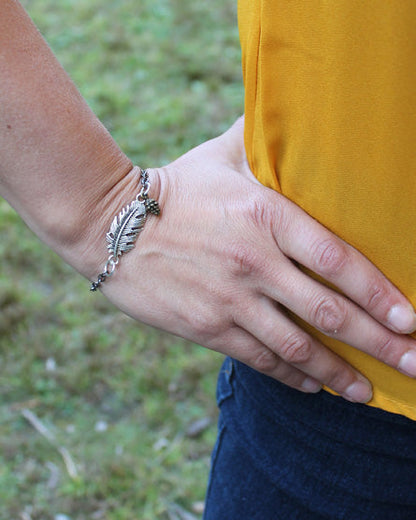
point(296, 348)
point(265, 362)
point(245, 259)
point(329, 315)
point(203, 326)
point(384, 349)
point(377, 295)
point(269, 214)
point(260, 212)
point(339, 378)
point(329, 257)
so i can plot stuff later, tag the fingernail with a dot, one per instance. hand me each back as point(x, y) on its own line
point(407, 363)
point(359, 392)
point(311, 385)
point(402, 318)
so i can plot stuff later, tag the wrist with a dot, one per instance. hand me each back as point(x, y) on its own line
point(89, 252)
point(80, 239)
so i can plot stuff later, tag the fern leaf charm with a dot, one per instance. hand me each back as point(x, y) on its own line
point(125, 228)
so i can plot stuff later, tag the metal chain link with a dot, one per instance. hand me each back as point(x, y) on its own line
point(144, 179)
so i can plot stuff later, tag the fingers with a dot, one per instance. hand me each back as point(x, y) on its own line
point(338, 317)
point(303, 239)
point(246, 348)
point(298, 349)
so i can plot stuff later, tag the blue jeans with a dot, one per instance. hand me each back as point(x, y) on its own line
point(285, 455)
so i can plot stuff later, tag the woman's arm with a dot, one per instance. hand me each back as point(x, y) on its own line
point(59, 167)
point(216, 267)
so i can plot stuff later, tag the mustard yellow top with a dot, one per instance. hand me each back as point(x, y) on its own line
point(331, 123)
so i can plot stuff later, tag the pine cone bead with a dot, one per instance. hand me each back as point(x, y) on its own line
point(152, 206)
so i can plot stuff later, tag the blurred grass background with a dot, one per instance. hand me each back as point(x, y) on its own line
point(133, 408)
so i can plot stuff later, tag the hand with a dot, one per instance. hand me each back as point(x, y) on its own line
point(217, 268)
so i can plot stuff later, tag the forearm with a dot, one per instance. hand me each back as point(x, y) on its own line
point(59, 166)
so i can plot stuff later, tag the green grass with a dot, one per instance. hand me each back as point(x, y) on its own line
point(163, 75)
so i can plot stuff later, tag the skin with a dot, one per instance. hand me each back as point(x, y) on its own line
point(219, 266)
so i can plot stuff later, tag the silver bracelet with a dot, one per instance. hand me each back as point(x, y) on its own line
point(126, 228)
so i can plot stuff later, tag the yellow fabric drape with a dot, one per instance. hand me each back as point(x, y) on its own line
point(331, 123)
